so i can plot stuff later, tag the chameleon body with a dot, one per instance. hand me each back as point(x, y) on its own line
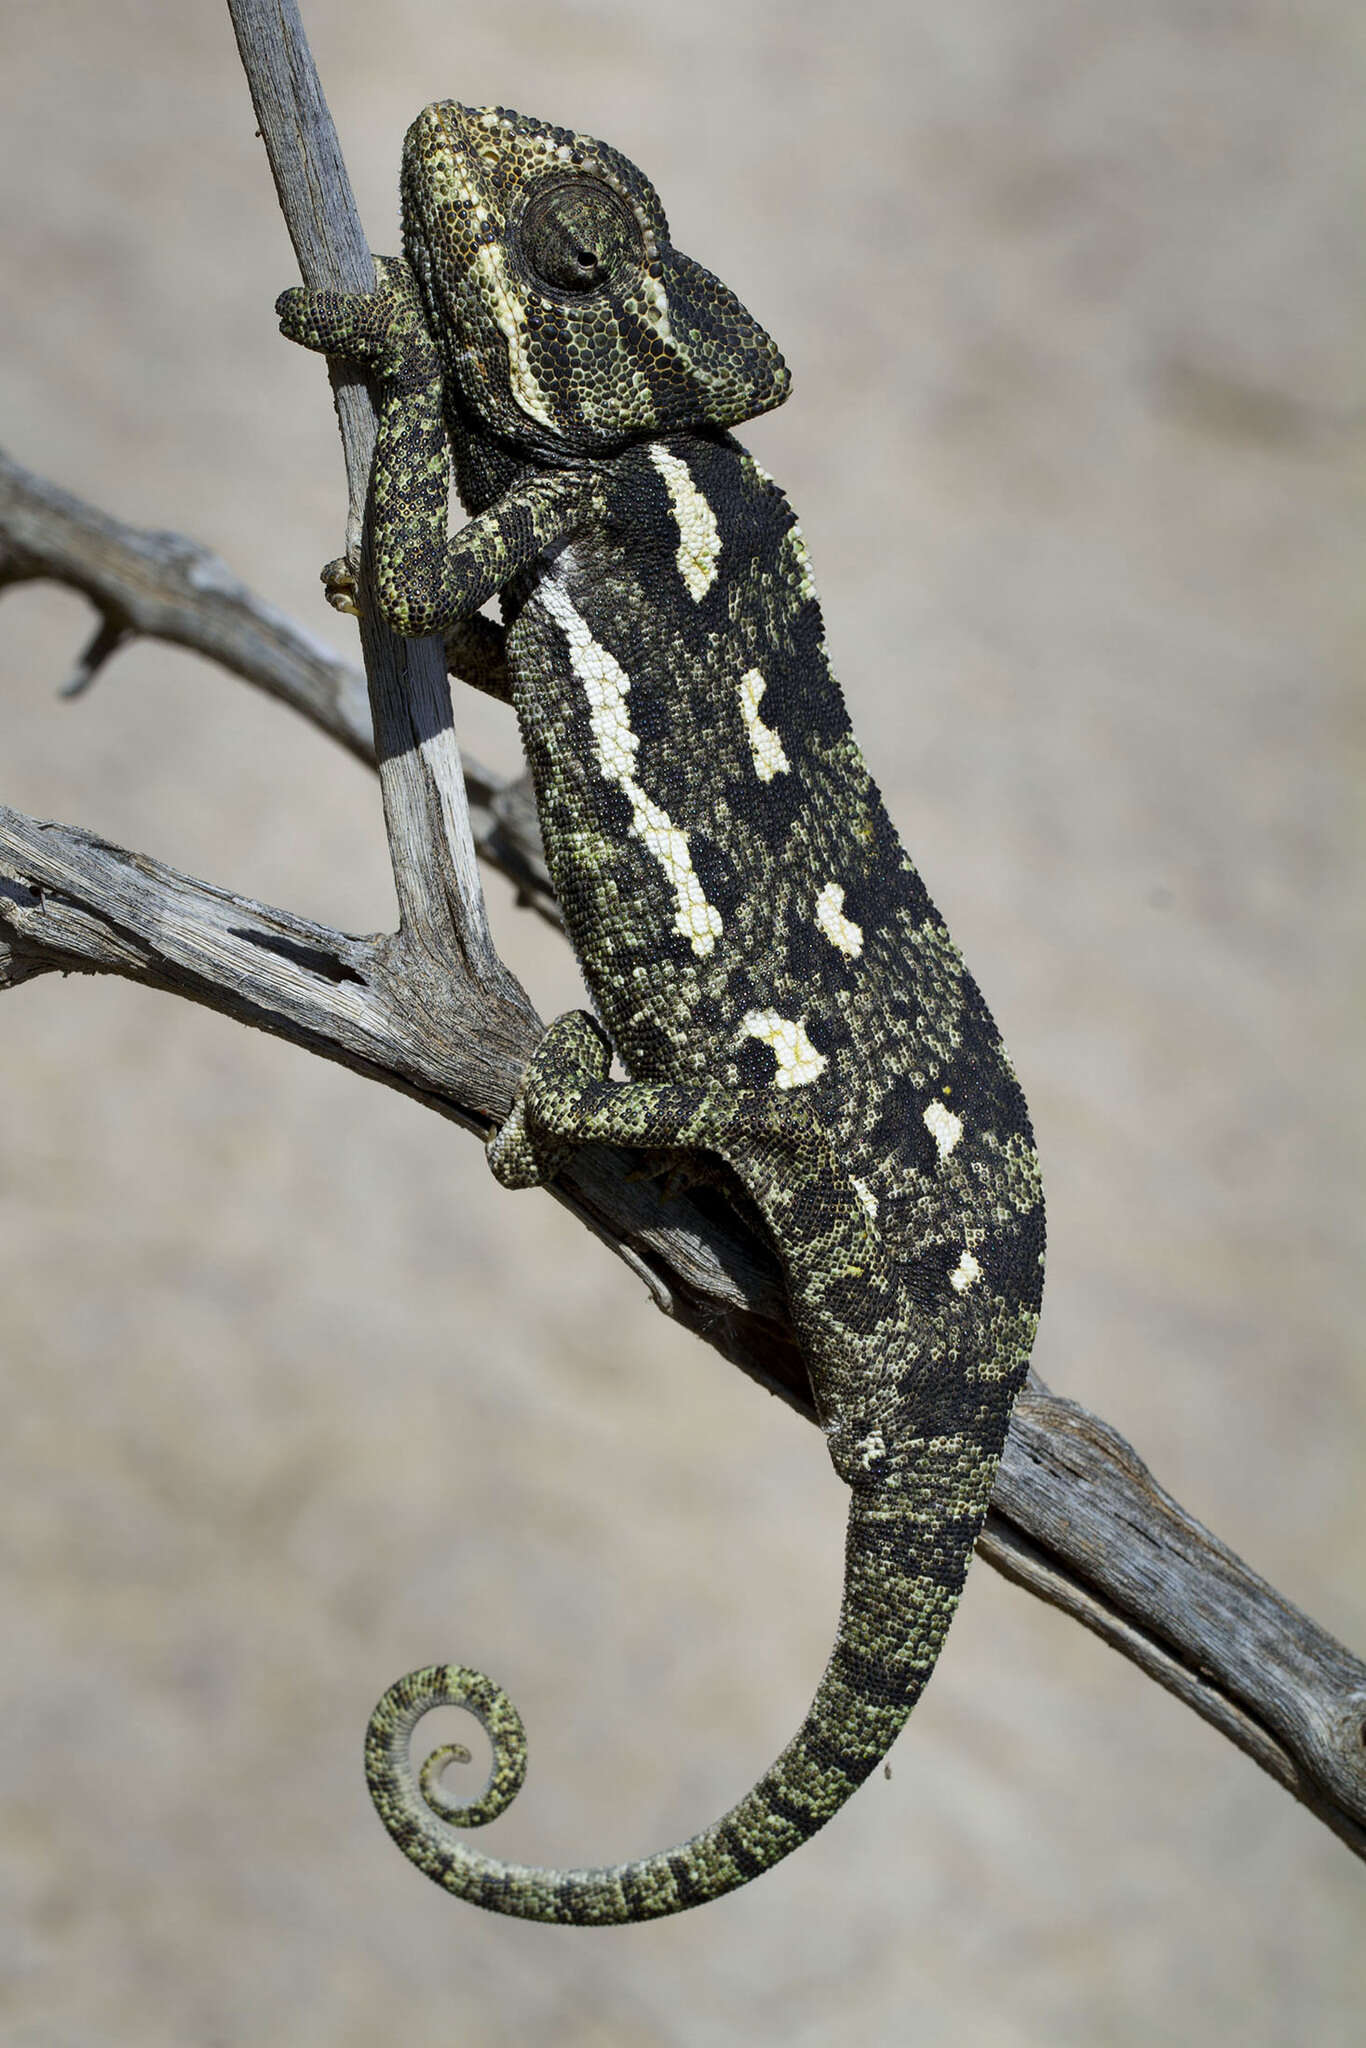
point(764, 959)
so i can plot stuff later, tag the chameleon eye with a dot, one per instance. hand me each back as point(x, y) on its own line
point(575, 236)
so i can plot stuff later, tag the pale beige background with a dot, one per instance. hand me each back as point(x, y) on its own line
point(295, 1398)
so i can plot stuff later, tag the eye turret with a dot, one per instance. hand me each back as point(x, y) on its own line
point(575, 236)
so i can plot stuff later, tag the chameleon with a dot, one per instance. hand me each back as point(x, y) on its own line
point(792, 1018)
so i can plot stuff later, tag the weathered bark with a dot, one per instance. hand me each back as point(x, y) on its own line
point(146, 584)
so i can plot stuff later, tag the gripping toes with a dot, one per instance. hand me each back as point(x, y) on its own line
point(349, 324)
point(383, 330)
point(340, 587)
point(523, 1152)
point(573, 1048)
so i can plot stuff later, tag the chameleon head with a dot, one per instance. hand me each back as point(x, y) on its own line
point(574, 324)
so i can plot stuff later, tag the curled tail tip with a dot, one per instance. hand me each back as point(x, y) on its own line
point(421, 1820)
point(905, 1562)
point(409, 1803)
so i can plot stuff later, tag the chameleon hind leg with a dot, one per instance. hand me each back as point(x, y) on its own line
point(566, 1100)
point(786, 1166)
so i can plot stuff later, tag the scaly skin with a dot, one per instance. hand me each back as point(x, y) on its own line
point(761, 951)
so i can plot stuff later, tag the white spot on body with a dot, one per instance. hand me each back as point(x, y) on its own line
point(965, 1272)
point(944, 1127)
point(839, 929)
point(699, 537)
point(764, 744)
point(799, 1063)
point(606, 685)
point(867, 1199)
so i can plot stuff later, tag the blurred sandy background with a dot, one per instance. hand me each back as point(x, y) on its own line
point(296, 1398)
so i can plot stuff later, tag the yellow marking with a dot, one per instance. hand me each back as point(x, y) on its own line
point(606, 685)
point(451, 186)
point(699, 537)
point(764, 744)
point(653, 306)
point(799, 1063)
point(965, 1272)
point(839, 929)
point(944, 1127)
point(506, 308)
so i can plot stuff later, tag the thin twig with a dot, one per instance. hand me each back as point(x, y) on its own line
point(150, 584)
point(145, 583)
point(436, 874)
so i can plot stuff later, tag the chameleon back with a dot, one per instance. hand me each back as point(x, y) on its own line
point(733, 885)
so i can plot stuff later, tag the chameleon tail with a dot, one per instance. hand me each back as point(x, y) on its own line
point(905, 1562)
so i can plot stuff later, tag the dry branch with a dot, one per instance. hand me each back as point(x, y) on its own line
point(429, 1010)
point(152, 585)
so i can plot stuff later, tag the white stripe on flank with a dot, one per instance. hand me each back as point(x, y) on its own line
point(606, 684)
point(699, 537)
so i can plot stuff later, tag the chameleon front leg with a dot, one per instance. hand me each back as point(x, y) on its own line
point(425, 582)
point(476, 647)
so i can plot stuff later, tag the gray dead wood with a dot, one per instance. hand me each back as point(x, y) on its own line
point(1076, 1516)
point(148, 584)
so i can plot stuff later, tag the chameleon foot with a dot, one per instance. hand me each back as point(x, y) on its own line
point(340, 586)
point(522, 1153)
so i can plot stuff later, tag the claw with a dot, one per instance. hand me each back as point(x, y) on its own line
point(340, 587)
